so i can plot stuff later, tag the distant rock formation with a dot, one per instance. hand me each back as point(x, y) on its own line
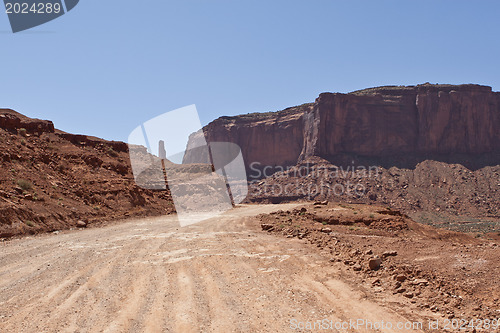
point(391, 126)
point(274, 138)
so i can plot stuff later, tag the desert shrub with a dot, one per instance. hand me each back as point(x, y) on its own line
point(24, 184)
point(22, 131)
point(112, 152)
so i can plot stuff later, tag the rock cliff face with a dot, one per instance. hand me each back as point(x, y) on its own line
point(13, 121)
point(274, 138)
point(426, 119)
point(409, 124)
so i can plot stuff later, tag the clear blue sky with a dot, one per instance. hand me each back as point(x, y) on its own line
point(109, 65)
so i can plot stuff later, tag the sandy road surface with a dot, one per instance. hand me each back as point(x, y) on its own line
point(150, 275)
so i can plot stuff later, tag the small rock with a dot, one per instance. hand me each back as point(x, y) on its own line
point(368, 252)
point(81, 224)
point(374, 263)
point(266, 226)
point(389, 254)
point(423, 282)
point(326, 230)
point(356, 268)
point(400, 277)
point(408, 295)
point(355, 252)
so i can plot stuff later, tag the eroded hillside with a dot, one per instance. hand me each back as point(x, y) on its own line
point(52, 180)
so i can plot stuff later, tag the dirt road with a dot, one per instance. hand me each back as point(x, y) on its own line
point(150, 275)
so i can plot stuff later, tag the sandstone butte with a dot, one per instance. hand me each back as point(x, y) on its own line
point(391, 126)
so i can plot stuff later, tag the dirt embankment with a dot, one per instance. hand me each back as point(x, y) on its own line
point(444, 195)
point(445, 272)
point(51, 180)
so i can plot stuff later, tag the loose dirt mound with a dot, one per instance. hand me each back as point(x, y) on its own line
point(443, 271)
point(52, 180)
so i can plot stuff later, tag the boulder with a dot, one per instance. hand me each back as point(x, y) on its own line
point(374, 263)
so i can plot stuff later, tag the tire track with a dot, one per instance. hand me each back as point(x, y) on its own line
point(151, 275)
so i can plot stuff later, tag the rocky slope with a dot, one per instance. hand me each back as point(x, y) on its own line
point(52, 180)
point(446, 272)
point(436, 193)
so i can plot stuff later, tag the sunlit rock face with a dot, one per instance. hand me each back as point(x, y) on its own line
point(400, 124)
